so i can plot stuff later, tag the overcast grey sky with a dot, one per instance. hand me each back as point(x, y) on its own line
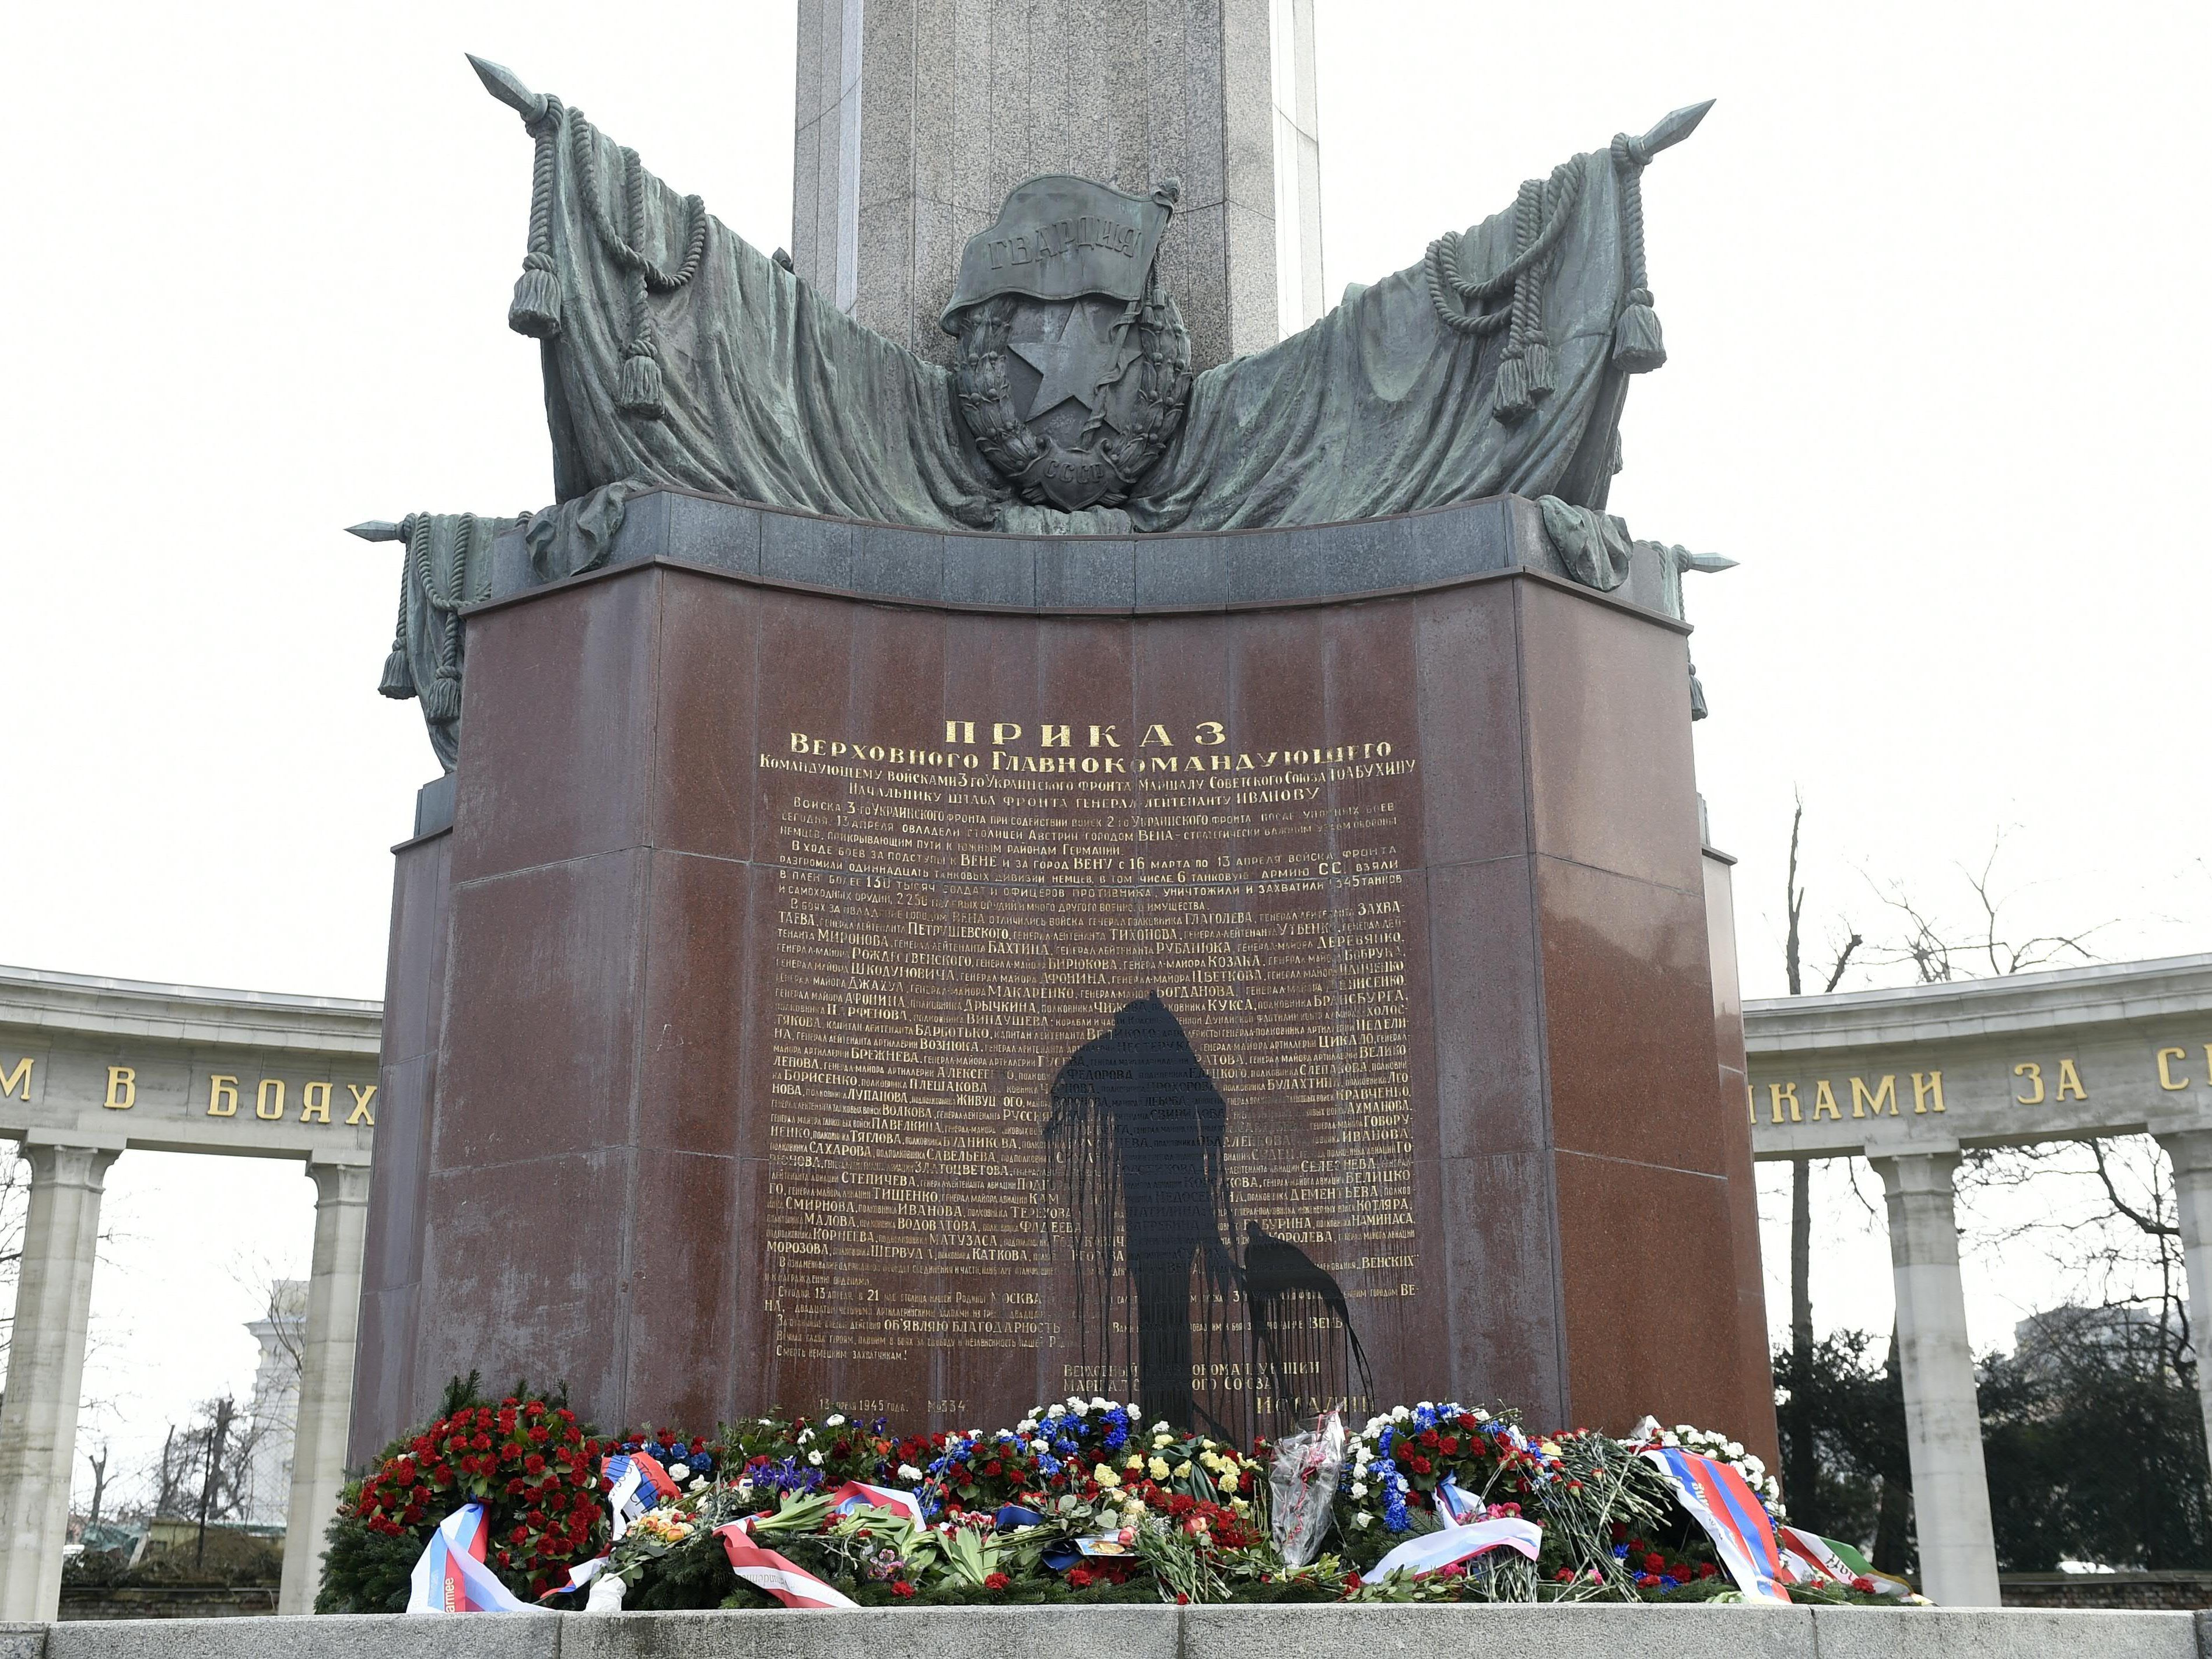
point(1931, 278)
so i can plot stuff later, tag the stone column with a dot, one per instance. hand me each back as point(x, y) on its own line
point(2191, 1152)
point(1942, 1418)
point(318, 1438)
point(1300, 299)
point(914, 118)
point(46, 1371)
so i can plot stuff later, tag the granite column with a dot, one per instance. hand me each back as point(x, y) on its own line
point(318, 1439)
point(2191, 1152)
point(1942, 1414)
point(46, 1371)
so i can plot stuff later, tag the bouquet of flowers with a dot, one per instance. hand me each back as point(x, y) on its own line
point(526, 1457)
point(1080, 1501)
point(1091, 1450)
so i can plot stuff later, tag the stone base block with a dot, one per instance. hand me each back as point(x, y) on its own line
point(1317, 1632)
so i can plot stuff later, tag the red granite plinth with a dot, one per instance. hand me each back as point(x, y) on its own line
point(760, 1060)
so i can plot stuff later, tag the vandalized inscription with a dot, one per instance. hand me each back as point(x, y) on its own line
point(1031, 1019)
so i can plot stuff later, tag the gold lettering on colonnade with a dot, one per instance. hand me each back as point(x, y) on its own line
point(1096, 1049)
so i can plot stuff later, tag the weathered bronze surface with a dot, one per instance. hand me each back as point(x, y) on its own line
point(1074, 366)
point(677, 354)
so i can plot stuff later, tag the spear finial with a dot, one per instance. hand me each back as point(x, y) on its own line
point(504, 84)
point(377, 530)
point(1670, 131)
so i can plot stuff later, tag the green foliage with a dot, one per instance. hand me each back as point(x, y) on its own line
point(2096, 1455)
point(2095, 1452)
point(1856, 1409)
point(364, 1571)
point(696, 1575)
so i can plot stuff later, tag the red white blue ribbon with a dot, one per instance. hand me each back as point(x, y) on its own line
point(1432, 1551)
point(578, 1575)
point(656, 1477)
point(1722, 1502)
point(858, 1495)
point(640, 1482)
point(451, 1576)
point(1455, 1507)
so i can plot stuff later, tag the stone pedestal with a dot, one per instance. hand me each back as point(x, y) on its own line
point(1759, 1432)
point(385, 1385)
point(933, 973)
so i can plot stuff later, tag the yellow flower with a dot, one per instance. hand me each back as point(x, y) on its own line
point(1159, 1468)
point(1240, 1506)
point(1105, 1477)
point(1182, 1471)
point(1159, 1440)
point(1228, 1481)
point(1135, 1462)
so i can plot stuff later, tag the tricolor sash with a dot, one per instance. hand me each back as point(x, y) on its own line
point(1455, 1507)
point(578, 1575)
point(1434, 1549)
point(1813, 1559)
point(640, 1483)
point(1722, 1502)
point(451, 1576)
point(858, 1495)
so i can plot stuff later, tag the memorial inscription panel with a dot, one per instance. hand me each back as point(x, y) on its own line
point(1088, 1059)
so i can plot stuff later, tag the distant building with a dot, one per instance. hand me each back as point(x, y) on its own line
point(265, 1485)
point(2137, 1333)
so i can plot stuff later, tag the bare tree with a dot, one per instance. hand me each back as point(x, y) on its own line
point(1803, 1473)
point(99, 1484)
point(2118, 1248)
point(2111, 1250)
point(201, 1475)
point(284, 1294)
point(1985, 945)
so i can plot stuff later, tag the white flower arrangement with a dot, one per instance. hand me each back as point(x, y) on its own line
point(1721, 1450)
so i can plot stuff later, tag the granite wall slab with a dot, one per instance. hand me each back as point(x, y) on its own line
point(810, 885)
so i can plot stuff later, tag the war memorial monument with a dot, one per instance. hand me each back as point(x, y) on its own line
point(1047, 853)
point(1047, 813)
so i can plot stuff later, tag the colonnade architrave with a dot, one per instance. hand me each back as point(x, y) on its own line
point(92, 1068)
point(1907, 1079)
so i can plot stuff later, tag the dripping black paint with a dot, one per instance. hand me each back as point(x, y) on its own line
point(1137, 1135)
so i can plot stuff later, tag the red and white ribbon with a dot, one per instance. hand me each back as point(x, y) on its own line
point(790, 1583)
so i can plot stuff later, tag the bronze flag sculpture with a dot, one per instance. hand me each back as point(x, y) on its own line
point(675, 353)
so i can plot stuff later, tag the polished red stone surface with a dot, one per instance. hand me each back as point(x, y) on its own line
point(708, 997)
